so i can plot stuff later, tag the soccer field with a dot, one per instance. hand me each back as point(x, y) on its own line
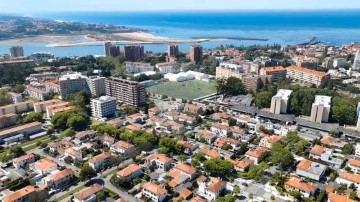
point(187, 90)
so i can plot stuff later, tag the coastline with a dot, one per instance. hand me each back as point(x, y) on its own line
point(99, 39)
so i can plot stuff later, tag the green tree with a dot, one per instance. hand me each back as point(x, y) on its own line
point(76, 122)
point(41, 195)
point(296, 194)
point(69, 160)
point(256, 172)
point(87, 172)
point(263, 99)
point(232, 121)
point(19, 88)
point(230, 86)
point(182, 158)
point(348, 149)
point(33, 116)
point(218, 167)
point(5, 98)
point(236, 189)
point(282, 156)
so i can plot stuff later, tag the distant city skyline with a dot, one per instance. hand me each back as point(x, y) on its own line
point(35, 6)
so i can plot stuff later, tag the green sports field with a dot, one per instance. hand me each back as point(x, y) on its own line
point(187, 90)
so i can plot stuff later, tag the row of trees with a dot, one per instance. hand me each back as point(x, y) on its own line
point(230, 87)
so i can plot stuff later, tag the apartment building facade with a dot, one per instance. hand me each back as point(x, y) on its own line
point(278, 73)
point(103, 106)
point(307, 76)
point(125, 91)
point(72, 83)
point(96, 85)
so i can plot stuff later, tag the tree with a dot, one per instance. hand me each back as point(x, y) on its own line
point(41, 195)
point(232, 122)
point(19, 88)
point(170, 146)
point(182, 158)
point(32, 116)
point(343, 110)
point(76, 122)
point(218, 167)
point(347, 149)
point(296, 194)
point(99, 196)
point(263, 99)
point(282, 156)
point(230, 86)
point(5, 98)
point(256, 172)
point(236, 189)
point(87, 172)
point(277, 179)
point(69, 160)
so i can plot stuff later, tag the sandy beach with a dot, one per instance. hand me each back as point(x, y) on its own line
point(99, 39)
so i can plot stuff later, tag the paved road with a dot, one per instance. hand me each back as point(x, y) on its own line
point(121, 193)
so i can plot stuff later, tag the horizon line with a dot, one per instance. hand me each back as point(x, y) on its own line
point(185, 10)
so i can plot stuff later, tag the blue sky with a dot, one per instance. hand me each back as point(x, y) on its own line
point(33, 6)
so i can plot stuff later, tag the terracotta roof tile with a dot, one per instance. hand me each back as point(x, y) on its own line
point(85, 193)
point(154, 188)
point(216, 185)
point(100, 157)
point(304, 164)
point(307, 71)
point(297, 183)
point(354, 162)
point(45, 164)
point(185, 193)
point(220, 126)
point(317, 149)
point(128, 170)
point(351, 177)
point(24, 157)
point(186, 168)
point(340, 198)
point(159, 157)
point(257, 152)
point(18, 194)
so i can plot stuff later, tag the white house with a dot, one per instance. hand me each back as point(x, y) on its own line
point(88, 194)
point(354, 165)
point(310, 169)
point(58, 179)
point(122, 147)
point(21, 161)
point(211, 189)
point(159, 161)
point(296, 184)
point(348, 179)
point(97, 161)
point(73, 153)
point(154, 191)
point(132, 171)
point(187, 170)
point(208, 136)
point(256, 154)
point(45, 166)
point(220, 129)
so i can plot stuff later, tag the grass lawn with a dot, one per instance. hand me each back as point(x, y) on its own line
point(187, 90)
point(32, 144)
point(70, 193)
point(110, 193)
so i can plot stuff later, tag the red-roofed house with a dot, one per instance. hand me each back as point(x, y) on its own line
point(208, 136)
point(268, 141)
point(348, 179)
point(159, 161)
point(132, 171)
point(20, 195)
point(211, 189)
point(154, 191)
point(122, 147)
point(256, 154)
point(97, 161)
point(21, 161)
point(296, 184)
point(220, 129)
point(192, 109)
point(88, 194)
point(185, 169)
point(58, 179)
point(354, 165)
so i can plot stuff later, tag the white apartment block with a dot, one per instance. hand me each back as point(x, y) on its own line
point(138, 67)
point(356, 64)
point(72, 83)
point(36, 93)
point(281, 101)
point(305, 75)
point(320, 109)
point(167, 67)
point(103, 106)
point(96, 85)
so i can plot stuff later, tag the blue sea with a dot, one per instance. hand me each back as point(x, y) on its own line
point(333, 27)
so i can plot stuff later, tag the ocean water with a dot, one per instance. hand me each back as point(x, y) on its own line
point(334, 27)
